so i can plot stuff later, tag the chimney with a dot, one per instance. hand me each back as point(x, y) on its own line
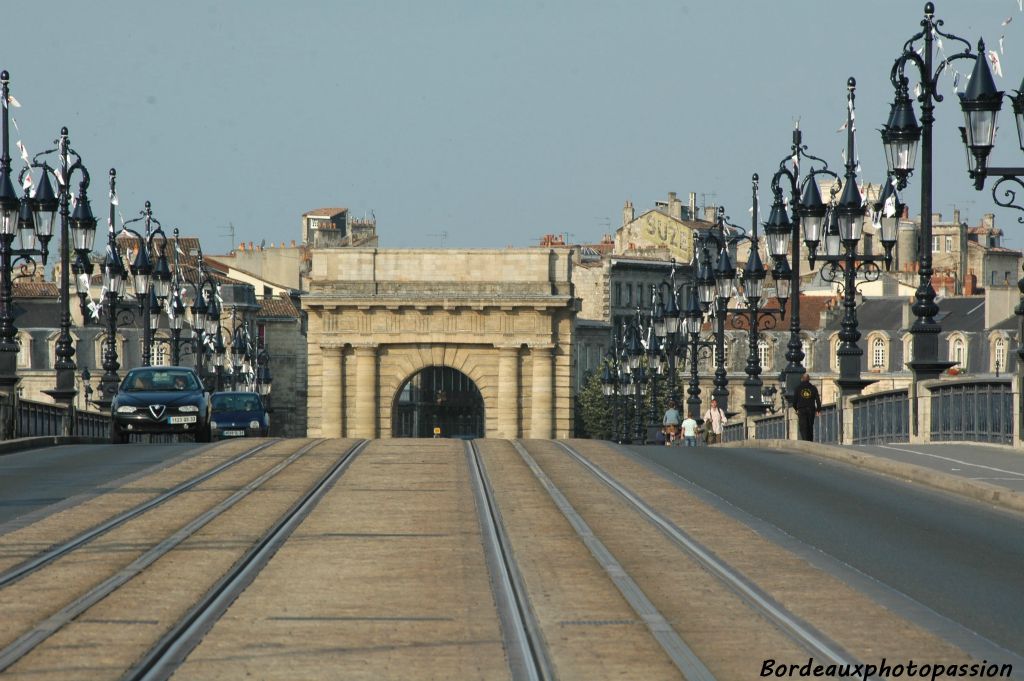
point(999, 304)
point(675, 206)
point(970, 284)
point(956, 216)
point(628, 214)
point(693, 206)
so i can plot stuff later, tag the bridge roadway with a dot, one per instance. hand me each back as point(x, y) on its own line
point(605, 563)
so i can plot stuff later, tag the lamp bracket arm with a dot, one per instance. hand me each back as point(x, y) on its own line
point(26, 269)
point(1009, 193)
point(83, 184)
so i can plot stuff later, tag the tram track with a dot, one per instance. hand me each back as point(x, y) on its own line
point(43, 558)
point(799, 631)
point(226, 587)
point(528, 656)
point(682, 656)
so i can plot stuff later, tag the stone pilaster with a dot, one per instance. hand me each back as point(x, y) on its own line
point(333, 388)
point(508, 392)
point(542, 393)
point(365, 421)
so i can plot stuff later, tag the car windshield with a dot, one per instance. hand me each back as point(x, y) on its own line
point(236, 402)
point(146, 380)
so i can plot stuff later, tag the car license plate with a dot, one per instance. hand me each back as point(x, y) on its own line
point(181, 419)
point(234, 433)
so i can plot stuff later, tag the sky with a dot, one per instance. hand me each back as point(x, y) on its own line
point(474, 123)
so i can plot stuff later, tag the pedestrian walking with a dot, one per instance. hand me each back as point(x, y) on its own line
point(807, 404)
point(714, 423)
point(670, 424)
point(689, 427)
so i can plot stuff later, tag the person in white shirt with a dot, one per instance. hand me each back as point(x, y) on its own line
point(689, 432)
point(714, 423)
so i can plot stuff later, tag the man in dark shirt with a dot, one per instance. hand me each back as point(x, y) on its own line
point(807, 403)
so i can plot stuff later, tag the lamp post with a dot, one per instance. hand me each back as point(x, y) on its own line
point(152, 281)
point(756, 316)
point(981, 104)
point(80, 226)
point(844, 228)
point(667, 326)
point(699, 348)
point(714, 288)
point(177, 310)
point(900, 138)
point(610, 382)
point(114, 276)
point(16, 217)
point(634, 350)
point(783, 236)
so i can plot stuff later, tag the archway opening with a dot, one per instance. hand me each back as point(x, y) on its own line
point(438, 397)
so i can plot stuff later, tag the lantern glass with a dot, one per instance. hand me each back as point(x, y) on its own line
point(783, 286)
point(752, 288)
point(812, 228)
point(8, 220)
point(671, 324)
point(27, 235)
point(889, 228)
point(833, 243)
point(154, 319)
point(850, 226)
point(177, 321)
point(981, 127)
point(778, 244)
point(659, 327)
point(693, 323)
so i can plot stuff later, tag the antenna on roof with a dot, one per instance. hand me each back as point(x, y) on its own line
point(443, 235)
point(228, 229)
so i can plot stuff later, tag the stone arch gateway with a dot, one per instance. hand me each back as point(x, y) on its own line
point(503, 318)
point(438, 400)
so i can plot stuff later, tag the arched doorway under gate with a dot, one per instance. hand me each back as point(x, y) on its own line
point(438, 397)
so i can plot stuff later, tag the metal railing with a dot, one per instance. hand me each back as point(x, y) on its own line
point(827, 424)
point(37, 419)
point(881, 417)
point(734, 432)
point(972, 411)
point(770, 427)
point(41, 419)
point(92, 424)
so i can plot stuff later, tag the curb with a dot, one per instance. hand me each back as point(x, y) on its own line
point(972, 489)
point(27, 443)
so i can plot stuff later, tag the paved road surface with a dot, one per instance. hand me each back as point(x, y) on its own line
point(960, 558)
point(37, 478)
point(994, 465)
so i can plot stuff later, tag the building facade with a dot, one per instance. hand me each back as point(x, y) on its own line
point(474, 343)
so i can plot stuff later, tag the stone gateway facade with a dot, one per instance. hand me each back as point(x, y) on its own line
point(378, 318)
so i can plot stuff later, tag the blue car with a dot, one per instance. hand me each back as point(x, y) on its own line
point(238, 414)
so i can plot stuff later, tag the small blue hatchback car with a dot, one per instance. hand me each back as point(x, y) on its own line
point(238, 414)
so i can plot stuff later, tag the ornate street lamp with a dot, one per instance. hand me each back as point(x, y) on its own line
point(699, 349)
point(901, 137)
point(845, 228)
point(114, 276)
point(784, 236)
point(152, 279)
point(78, 225)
